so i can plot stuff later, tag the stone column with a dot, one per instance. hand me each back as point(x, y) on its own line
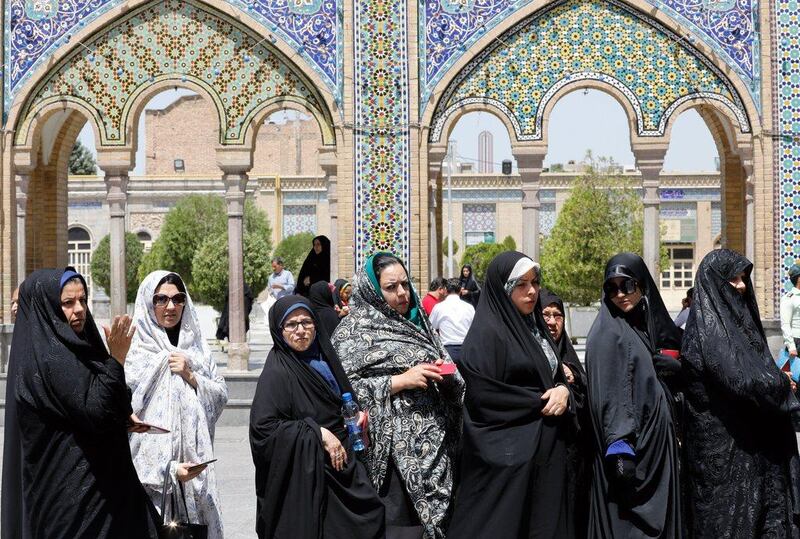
point(117, 198)
point(529, 164)
point(21, 181)
point(750, 211)
point(436, 156)
point(328, 162)
point(238, 351)
point(650, 161)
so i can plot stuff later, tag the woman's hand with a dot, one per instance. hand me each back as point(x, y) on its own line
point(343, 311)
point(119, 337)
point(416, 377)
point(792, 383)
point(183, 473)
point(178, 364)
point(134, 424)
point(335, 449)
point(557, 399)
point(568, 374)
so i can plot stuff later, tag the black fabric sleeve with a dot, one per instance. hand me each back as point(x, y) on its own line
point(92, 397)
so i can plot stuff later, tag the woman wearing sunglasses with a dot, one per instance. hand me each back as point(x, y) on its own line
point(629, 352)
point(175, 385)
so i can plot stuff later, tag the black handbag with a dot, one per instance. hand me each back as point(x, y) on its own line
point(175, 528)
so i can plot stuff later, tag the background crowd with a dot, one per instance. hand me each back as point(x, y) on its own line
point(478, 417)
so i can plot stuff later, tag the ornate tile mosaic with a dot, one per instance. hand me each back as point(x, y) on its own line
point(579, 40)
point(174, 38)
point(787, 104)
point(382, 153)
point(36, 28)
point(297, 219)
point(479, 217)
point(451, 27)
point(547, 218)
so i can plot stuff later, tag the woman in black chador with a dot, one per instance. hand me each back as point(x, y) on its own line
point(516, 414)
point(321, 298)
point(579, 442)
point(635, 487)
point(470, 290)
point(316, 267)
point(741, 450)
point(74, 409)
point(309, 483)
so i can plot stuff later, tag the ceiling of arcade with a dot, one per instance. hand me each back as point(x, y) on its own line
point(577, 40)
point(175, 40)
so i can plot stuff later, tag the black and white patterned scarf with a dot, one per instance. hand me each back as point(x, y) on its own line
point(418, 429)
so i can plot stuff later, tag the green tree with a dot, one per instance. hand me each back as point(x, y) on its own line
point(603, 216)
point(444, 247)
point(81, 160)
point(101, 265)
point(294, 249)
point(155, 259)
point(210, 262)
point(194, 219)
point(479, 255)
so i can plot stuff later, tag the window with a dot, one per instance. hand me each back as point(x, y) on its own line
point(79, 251)
point(145, 239)
point(480, 223)
point(179, 165)
point(680, 273)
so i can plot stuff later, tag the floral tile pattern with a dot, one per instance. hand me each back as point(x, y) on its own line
point(587, 39)
point(175, 38)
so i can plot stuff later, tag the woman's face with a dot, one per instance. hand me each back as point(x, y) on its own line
point(554, 319)
point(317, 246)
point(526, 292)
point(396, 288)
point(299, 330)
point(625, 302)
point(345, 292)
point(738, 284)
point(465, 272)
point(168, 303)
point(73, 304)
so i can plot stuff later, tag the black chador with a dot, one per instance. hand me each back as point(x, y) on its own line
point(741, 450)
point(299, 494)
point(635, 481)
point(73, 408)
point(513, 467)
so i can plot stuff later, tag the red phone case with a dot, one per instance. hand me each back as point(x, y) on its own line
point(446, 369)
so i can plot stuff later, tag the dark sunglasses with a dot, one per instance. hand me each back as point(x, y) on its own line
point(161, 300)
point(627, 286)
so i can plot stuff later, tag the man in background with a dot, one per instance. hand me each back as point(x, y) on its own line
point(436, 293)
point(452, 319)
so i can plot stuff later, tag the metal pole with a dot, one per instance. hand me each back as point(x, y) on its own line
point(450, 165)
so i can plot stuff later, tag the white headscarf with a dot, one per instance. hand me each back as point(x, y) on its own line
point(167, 400)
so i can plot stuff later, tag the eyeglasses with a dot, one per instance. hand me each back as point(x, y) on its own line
point(552, 316)
point(292, 326)
point(161, 300)
point(627, 286)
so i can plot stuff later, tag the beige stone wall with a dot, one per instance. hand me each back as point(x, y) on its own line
point(187, 129)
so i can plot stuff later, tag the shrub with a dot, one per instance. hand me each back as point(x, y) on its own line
point(101, 265)
point(294, 249)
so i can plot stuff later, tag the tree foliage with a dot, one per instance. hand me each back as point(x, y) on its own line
point(210, 261)
point(603, 216)
point(81, 160)
point(479, 255)
point(193, 219)
point(101, 265)
point(155, 259)
point(294, 249)
point(444, 247)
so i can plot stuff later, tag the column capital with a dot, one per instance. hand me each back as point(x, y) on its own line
point(235, 185)
point(530, 158)
point(116, 181)
point(650, 160)
point(329, 160)
point(115, 161)
point(234, 159)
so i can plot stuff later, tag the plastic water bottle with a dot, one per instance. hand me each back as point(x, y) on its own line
point(350, 413)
